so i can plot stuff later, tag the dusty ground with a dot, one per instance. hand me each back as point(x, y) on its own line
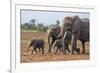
point(26, 57)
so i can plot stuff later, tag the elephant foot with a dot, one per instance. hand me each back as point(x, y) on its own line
point(49, 51)
point(72, 52)
point(64, 52)
point(43, 53)
point(31, 52)
point(77, 50)
point(39, 50)
point(83, 52)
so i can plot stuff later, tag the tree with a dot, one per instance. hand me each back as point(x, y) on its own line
point(32, 24)
point(45, 28)
point(32, 21)
point(40, 26)
point(57, 22)
point(25, 26)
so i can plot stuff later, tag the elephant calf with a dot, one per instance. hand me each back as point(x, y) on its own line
point(58, 45)
point(37, 44)
point(62, 46)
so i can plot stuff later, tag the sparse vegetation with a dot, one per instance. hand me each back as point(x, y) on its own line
point(33, 26)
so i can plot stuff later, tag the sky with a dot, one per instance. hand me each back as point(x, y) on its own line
point(47, 17)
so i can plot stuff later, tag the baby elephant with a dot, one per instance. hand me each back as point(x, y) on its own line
point(37, 44)
point(58, 45)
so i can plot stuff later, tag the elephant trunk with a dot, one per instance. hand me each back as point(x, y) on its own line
point(49, 35)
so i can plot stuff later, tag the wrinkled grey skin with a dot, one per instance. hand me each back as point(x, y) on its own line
point(66, 41)
point(79, 28)
point(58, 45)
point(53, 32)
point(37, 44)
point(63, 44)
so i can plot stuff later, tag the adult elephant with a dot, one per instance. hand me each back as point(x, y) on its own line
point(53, 32)
point(79, 28)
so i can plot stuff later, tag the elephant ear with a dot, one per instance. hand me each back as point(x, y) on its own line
point(76, 24)
point(74, 18)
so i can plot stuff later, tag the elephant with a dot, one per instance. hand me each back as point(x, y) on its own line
point(37, 43)
point(63, 44)
point(58, 45)
point(53, 32)
point(79, 29)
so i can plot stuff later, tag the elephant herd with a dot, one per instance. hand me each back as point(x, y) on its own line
point(61, 37)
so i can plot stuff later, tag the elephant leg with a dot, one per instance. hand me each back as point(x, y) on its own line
point(39, 49)
point(83, 47)
point(64, 43)
point(74, 43)
point(67, 45)
point(28, 47)
point(34, 49)
point(42, 50)
point(52, 42)
point(49, 41)
point(57, 50)
point(60, 49)
point(77, 50)
point(68, 49)
point(54, 46)
point(63, 46)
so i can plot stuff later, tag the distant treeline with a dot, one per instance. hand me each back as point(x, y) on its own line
point(32, 25)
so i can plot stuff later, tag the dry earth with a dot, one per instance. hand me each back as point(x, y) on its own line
point(26, 57)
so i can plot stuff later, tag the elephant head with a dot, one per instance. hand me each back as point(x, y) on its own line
point(66, 25)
